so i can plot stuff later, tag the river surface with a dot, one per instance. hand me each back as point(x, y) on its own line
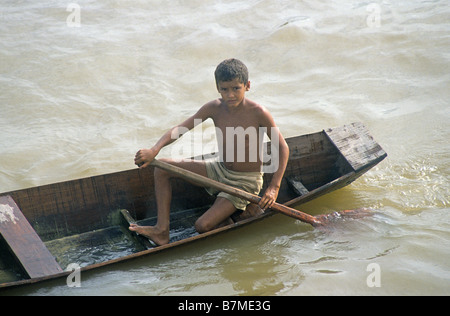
point(85, 84)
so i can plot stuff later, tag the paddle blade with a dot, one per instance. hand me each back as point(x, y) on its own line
point(333, 217)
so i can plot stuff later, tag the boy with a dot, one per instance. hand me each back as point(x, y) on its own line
point(237, 168)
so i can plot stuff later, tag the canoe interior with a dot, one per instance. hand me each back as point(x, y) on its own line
point(79, 220)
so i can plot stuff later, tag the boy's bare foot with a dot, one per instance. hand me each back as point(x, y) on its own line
point(158, 236)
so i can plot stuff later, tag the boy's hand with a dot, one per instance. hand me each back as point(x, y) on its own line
point(144, 157)
point(269, 197)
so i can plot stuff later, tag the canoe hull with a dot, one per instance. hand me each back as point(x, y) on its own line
point(81, 210)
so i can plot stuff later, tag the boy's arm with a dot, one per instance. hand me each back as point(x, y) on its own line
point(271, 193)
point(144, 157)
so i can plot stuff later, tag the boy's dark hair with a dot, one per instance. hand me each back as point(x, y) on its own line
point(231, 69)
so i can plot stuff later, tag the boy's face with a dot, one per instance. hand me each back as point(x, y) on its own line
point(233, 92)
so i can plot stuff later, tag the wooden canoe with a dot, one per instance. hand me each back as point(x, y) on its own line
point(44, 229)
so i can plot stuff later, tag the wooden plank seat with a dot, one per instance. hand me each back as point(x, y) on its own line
point(24, 242)
point(143, 241)
point(297, 186)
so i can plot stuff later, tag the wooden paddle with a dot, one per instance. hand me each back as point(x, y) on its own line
point(203, 181)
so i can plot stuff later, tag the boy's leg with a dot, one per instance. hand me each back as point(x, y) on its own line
point(219, 211)
point(163, 187)
point(163, 191)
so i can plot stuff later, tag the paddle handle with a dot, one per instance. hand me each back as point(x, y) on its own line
point(206, 182)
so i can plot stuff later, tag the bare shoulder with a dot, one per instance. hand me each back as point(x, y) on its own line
point(254, 106)
point(261, 112)
point(213, 104)
point(209, 109)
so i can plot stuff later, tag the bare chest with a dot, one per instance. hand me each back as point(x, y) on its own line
point(245, 121)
